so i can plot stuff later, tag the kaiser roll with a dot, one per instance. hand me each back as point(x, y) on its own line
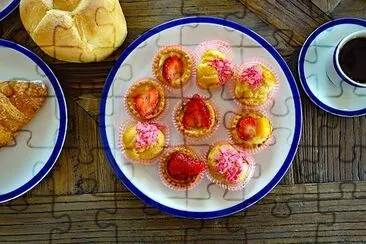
point(75, 30)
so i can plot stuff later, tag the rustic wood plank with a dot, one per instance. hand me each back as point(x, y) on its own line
point(354, 8)
point(140, 18)
point(327, 6)
point(290, 214)
point(300, 18)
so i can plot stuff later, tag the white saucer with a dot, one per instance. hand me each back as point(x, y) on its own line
point(7, 6)
point(326, 89)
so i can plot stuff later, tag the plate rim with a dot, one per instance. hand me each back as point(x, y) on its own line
point(283, 169)
point(35, 180)
point(301, 71)
point(8, 9)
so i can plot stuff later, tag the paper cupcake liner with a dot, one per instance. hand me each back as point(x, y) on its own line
point(191, 139)
point(271, 95)
point(240, 185)
point(162, 164)
point(124, 126)
point(258, 149)
point(185, 86)
point(134, 114)
point(218, 45)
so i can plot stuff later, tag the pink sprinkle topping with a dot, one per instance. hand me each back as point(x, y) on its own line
point(253, 76)
point(230, 163)
point(224, 68)
point(147, 134)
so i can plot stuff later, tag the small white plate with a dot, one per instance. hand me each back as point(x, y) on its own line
point(326, 89)
point(7, 6)
point(27, 161)
point(207, 200)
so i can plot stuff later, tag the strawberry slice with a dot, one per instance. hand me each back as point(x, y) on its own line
point(183, 167)
point(147, 100)
point(246, 128)
point(196, 114)
point(173, 68)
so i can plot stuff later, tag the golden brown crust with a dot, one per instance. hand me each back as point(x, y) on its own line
point(19, 102)
point(198, 132)
point(187, 61)
point(173, 182)
point(134, 89)
point(234, 134)
point(75, 30)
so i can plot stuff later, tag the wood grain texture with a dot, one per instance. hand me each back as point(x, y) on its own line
point(311, 213)
point(299, 18)
point(327, 6)
point(79, 190)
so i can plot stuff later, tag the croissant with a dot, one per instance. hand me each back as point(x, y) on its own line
point(19, 102)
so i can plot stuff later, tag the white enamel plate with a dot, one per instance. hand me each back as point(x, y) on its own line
point(24, 163)
point(207, 200)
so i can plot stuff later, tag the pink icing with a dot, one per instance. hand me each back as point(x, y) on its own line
point(229, 163)
point(224, 68)
point(147, 134)
point(253, 76)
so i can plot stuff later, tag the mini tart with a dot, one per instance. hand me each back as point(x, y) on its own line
point(143, 141)
point(214, 70)
point(251, 129)
point(254, 84)
point(173, 181)
point(228, 166)
point(173, 66)
point(146, 99)
point(188, 119)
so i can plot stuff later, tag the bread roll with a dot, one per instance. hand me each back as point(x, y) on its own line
point(75, 30)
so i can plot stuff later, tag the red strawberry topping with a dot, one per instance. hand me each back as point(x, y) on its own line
point(173, 68)
point(196, 114)
point(246, 128)
point(146, 101)
point(183, 167)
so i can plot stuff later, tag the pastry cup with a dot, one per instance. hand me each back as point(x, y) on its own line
point(237, 141)
point(194, 136)
point(190, 70)
point(124, 126)
point(221, 46)
point(270, 96)
point(237, 186)
point(177, 185)
point(160, 110)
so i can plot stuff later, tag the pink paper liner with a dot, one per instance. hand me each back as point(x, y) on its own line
point(191, 80)
point(271, 94)
point(218, 45)
point(130, 89)
point(174, 187)
point(126, 125)
point(256, 150)
point(191, 139)
point(240, 185)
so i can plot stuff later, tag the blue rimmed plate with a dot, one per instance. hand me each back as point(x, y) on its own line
point(318, 77)
point(7, 6)
point(24, 163)
point(207, 200)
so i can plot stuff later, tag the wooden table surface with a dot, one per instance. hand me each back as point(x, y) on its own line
point(321, 199)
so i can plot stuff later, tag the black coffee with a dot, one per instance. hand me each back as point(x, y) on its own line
point(352, 59)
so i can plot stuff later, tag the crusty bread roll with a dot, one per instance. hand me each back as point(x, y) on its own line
point(75, 30)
